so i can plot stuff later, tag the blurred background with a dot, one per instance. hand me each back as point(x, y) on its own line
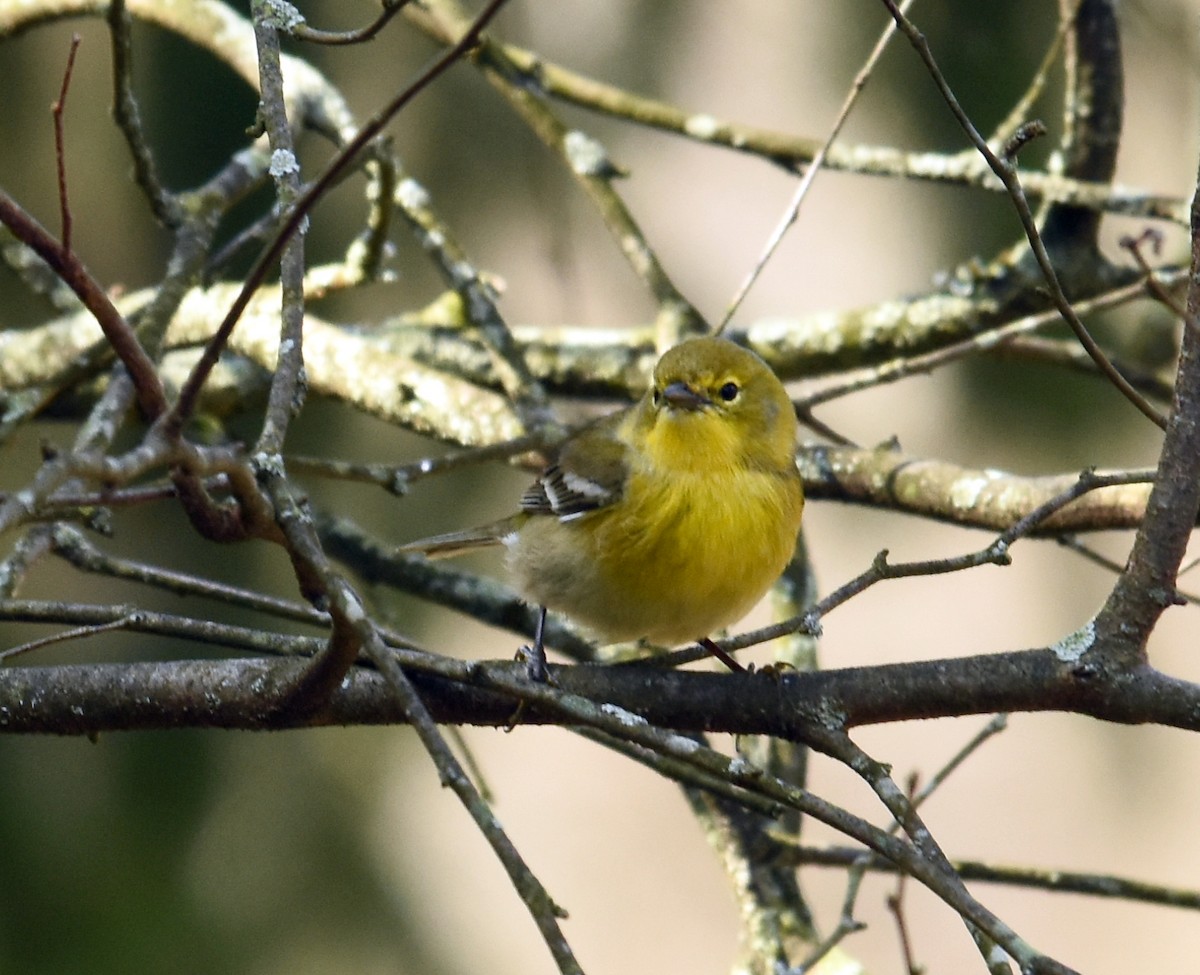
point(335, 850)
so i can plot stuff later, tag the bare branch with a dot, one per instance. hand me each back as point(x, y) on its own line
point(1005, 168)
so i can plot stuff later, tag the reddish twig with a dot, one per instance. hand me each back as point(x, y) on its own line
point(895, 904)
point(56, 109)
point(1134, 245)
point(151, 397)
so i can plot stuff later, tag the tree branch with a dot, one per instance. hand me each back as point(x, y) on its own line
point(94, 698)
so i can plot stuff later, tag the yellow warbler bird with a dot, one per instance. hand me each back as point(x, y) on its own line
point(668, 520)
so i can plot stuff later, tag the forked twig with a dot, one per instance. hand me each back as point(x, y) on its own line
point(1134, 246)
point(1005, 168)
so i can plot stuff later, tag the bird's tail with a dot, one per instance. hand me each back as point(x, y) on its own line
point(455, 543)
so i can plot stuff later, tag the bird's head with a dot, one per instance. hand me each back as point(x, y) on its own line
point(713, 403)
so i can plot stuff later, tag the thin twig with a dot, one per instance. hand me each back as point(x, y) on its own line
point(1005, 168)
point(997, 724)
point(478, 297)
point(128, 118)
point(847, 924)
point(995, 553)
point(190, 390)
point(302, 32)
point(470, 763)
point(904, 366)
point(287, 387)
point(1030, 878)
point(792, 152)
point(683, 773)
point(142, 371)
point(352, 631)
point(590, 165)
point(858, 866)
point(837, 744)
point(923, 860)
point(1067, 353)
point(125, 623)
point(810, 174)
point(537, 900)
point(1134, 246)
point(895, 904)
point(60, 152)
point(197, 630)
point(397, 478)
point(73, 546)
point(1024, 106)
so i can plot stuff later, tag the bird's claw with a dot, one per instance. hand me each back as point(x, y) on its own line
point(534, 659)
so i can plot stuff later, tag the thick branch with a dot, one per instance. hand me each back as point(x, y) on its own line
point(89, 699)
point(885, 477)
point(1147, 587)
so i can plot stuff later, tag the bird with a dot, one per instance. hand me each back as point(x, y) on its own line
point(663, 522)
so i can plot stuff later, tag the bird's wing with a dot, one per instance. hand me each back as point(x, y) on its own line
point(590, 473)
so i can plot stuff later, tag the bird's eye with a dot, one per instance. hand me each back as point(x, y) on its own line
point(656, 396)
point(729, 392)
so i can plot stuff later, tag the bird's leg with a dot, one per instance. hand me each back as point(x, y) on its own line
point(721, 655)
point(535, 656)
point(535, 664)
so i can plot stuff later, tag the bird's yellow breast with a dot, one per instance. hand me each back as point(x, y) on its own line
point(686, 554)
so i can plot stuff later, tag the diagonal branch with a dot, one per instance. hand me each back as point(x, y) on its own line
point(1005, 168)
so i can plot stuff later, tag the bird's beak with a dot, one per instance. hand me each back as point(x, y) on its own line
point(681, 396)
